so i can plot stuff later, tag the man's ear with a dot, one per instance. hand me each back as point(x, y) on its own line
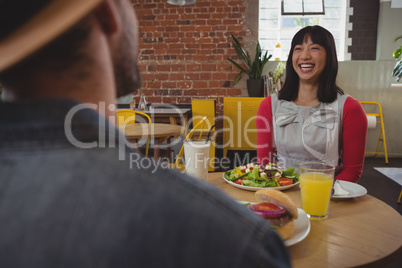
point(108, 16)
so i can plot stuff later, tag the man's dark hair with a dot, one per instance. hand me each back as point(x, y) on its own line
point(327, 89)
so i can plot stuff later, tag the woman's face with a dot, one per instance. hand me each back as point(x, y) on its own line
point(309, 61)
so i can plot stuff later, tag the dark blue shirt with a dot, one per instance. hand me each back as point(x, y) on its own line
point(66, 206)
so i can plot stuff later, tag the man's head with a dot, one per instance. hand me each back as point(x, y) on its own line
point(54, 37)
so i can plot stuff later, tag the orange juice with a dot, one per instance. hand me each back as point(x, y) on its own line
point(316, 193)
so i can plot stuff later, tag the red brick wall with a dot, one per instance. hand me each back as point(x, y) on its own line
point(184, 50)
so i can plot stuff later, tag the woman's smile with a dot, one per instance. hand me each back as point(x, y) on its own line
point(306, 67)
point(309, 60)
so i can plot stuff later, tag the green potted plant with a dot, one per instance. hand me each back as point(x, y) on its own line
point(255, 83)
point(397, 72)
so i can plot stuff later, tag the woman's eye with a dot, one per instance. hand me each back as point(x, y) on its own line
point(297, 48)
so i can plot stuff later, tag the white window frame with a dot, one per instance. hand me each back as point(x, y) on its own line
point(302, 11)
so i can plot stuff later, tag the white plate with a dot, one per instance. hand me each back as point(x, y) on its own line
point(302, 227)
point(249, 188)
point(354, 189)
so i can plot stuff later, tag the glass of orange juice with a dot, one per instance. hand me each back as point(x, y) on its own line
point(316, 180)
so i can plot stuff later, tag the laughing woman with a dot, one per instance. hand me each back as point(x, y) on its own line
point(311, 118)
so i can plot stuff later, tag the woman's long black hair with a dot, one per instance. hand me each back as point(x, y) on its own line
point(327, 88)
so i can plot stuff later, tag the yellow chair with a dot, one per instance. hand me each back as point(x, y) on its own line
point(239, 127)
point(199, 125)
point(124, 117)
point(199, 109)
point(382, 132)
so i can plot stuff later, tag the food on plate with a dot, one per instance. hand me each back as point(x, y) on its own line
point(270, 175)
point(278, 209)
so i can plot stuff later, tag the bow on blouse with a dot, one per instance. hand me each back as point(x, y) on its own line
point(323, 116)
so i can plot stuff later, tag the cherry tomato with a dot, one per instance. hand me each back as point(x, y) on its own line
point(250, 168)
point(239, 181)
point(285, 181)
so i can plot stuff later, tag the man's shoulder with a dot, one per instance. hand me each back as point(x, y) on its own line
point(148, 179)
point(162, 215)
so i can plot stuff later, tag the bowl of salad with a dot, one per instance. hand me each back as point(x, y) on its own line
point(253, 177)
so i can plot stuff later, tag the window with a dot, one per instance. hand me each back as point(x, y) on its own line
point(275, 28)
point(303, 7)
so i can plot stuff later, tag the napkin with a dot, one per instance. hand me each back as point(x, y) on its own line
point(338, 190)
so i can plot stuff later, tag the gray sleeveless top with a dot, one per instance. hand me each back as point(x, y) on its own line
point(304, 133)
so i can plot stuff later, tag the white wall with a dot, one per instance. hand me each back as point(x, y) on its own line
point(371, 80)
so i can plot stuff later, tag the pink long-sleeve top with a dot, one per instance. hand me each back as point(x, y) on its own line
point(354, 133)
